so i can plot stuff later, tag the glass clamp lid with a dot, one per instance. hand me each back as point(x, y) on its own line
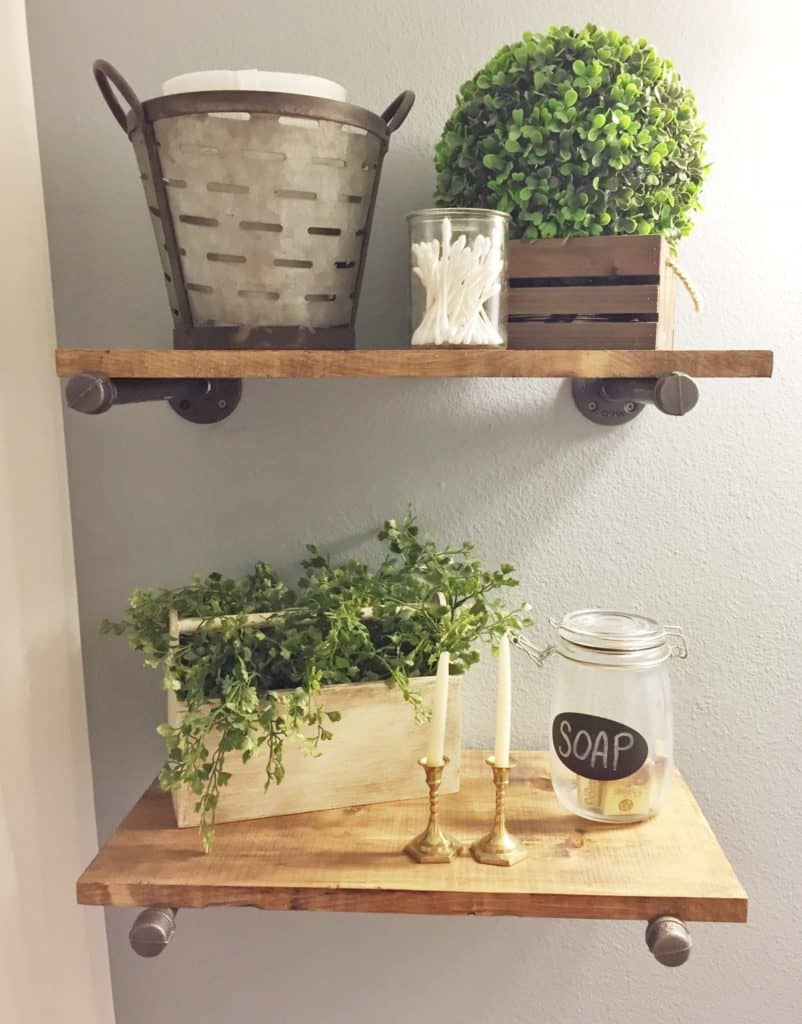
point(623, 632)
point(615, 632)
point(595, 633)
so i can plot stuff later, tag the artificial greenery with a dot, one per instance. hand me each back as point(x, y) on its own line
point(576, 133)
point(256, 687)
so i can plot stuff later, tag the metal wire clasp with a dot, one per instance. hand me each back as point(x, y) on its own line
point(678, 644)
point(539, 655)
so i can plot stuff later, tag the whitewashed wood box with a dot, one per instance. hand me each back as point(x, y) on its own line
point(371, 758)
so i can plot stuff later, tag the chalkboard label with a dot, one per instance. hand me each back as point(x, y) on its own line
point(597, 748)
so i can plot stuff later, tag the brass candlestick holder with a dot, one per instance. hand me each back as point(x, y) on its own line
point(498, 846)
point(433, 845)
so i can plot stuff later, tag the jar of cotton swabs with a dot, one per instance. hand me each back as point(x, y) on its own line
point(458, 278)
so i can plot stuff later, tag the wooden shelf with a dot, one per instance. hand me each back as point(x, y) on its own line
point(165, 364)
point(352, 859)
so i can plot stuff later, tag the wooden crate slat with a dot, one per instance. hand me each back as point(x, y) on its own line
point(559, 277)
point(595, 300)
point(667, 304)
point(582, 335)
point(603, 256)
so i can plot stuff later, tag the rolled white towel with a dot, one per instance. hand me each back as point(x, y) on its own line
point(253, 79)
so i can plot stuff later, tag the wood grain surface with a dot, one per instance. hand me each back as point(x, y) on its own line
point(373, 751)
point(580, 334)
point(588, 279)
point(598, 300)
point(352, 860)
point(165, 363)
point(602, 256)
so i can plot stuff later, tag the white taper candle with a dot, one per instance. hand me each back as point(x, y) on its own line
point(503, 704)
point(437, 727)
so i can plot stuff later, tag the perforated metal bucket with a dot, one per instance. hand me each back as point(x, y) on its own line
point(261, 204)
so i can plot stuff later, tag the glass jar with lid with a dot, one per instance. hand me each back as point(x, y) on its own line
point(611, 714)
point(458, 278)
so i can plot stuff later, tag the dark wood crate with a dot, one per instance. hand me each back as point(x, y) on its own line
point(607, 292)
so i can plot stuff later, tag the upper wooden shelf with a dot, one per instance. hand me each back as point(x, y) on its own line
point(165, 364)
point(352, 859)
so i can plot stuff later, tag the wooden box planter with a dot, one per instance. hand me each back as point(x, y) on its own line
point(371, 758)
point(605, 292)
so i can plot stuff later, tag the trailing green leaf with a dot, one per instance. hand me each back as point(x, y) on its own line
point(252, 688)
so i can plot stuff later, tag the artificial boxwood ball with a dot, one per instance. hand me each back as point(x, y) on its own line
point(576, 133)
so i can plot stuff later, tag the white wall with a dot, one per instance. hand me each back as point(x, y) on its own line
point(696, 520)
point(53, 958)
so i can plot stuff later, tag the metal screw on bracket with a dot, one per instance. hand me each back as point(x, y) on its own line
point(151, 932)
point(669, 940)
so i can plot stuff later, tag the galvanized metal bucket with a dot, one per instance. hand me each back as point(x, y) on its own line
point(261, 204)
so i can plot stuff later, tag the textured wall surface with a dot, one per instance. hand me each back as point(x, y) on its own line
point(47, 822)
point(696, 521)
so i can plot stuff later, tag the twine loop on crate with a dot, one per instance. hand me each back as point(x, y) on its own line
point(696, 298)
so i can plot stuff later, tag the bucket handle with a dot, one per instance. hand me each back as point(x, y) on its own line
point(395, 115)
point(107, 75)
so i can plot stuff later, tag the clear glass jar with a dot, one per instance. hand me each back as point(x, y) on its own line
point(611, 715)
point(458, 278)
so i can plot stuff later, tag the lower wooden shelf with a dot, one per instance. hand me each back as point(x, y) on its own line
point(352, 860)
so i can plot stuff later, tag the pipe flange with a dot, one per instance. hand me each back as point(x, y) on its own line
point(219, 400)
point(590, 399)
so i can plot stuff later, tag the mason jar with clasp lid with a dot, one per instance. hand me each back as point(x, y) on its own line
point(611, 717)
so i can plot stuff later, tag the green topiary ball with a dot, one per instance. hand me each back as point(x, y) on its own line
point(576, 133)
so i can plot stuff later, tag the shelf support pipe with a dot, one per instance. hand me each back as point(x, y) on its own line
point(152, 931)
point(667, 937)
point(614, 400)
point(199, 401)
point(669, 940)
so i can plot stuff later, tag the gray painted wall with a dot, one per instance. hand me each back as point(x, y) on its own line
point(696, 521)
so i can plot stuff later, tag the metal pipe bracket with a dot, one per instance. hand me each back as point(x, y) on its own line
point(152, 931)
point(612, 401)
point(199, 401)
